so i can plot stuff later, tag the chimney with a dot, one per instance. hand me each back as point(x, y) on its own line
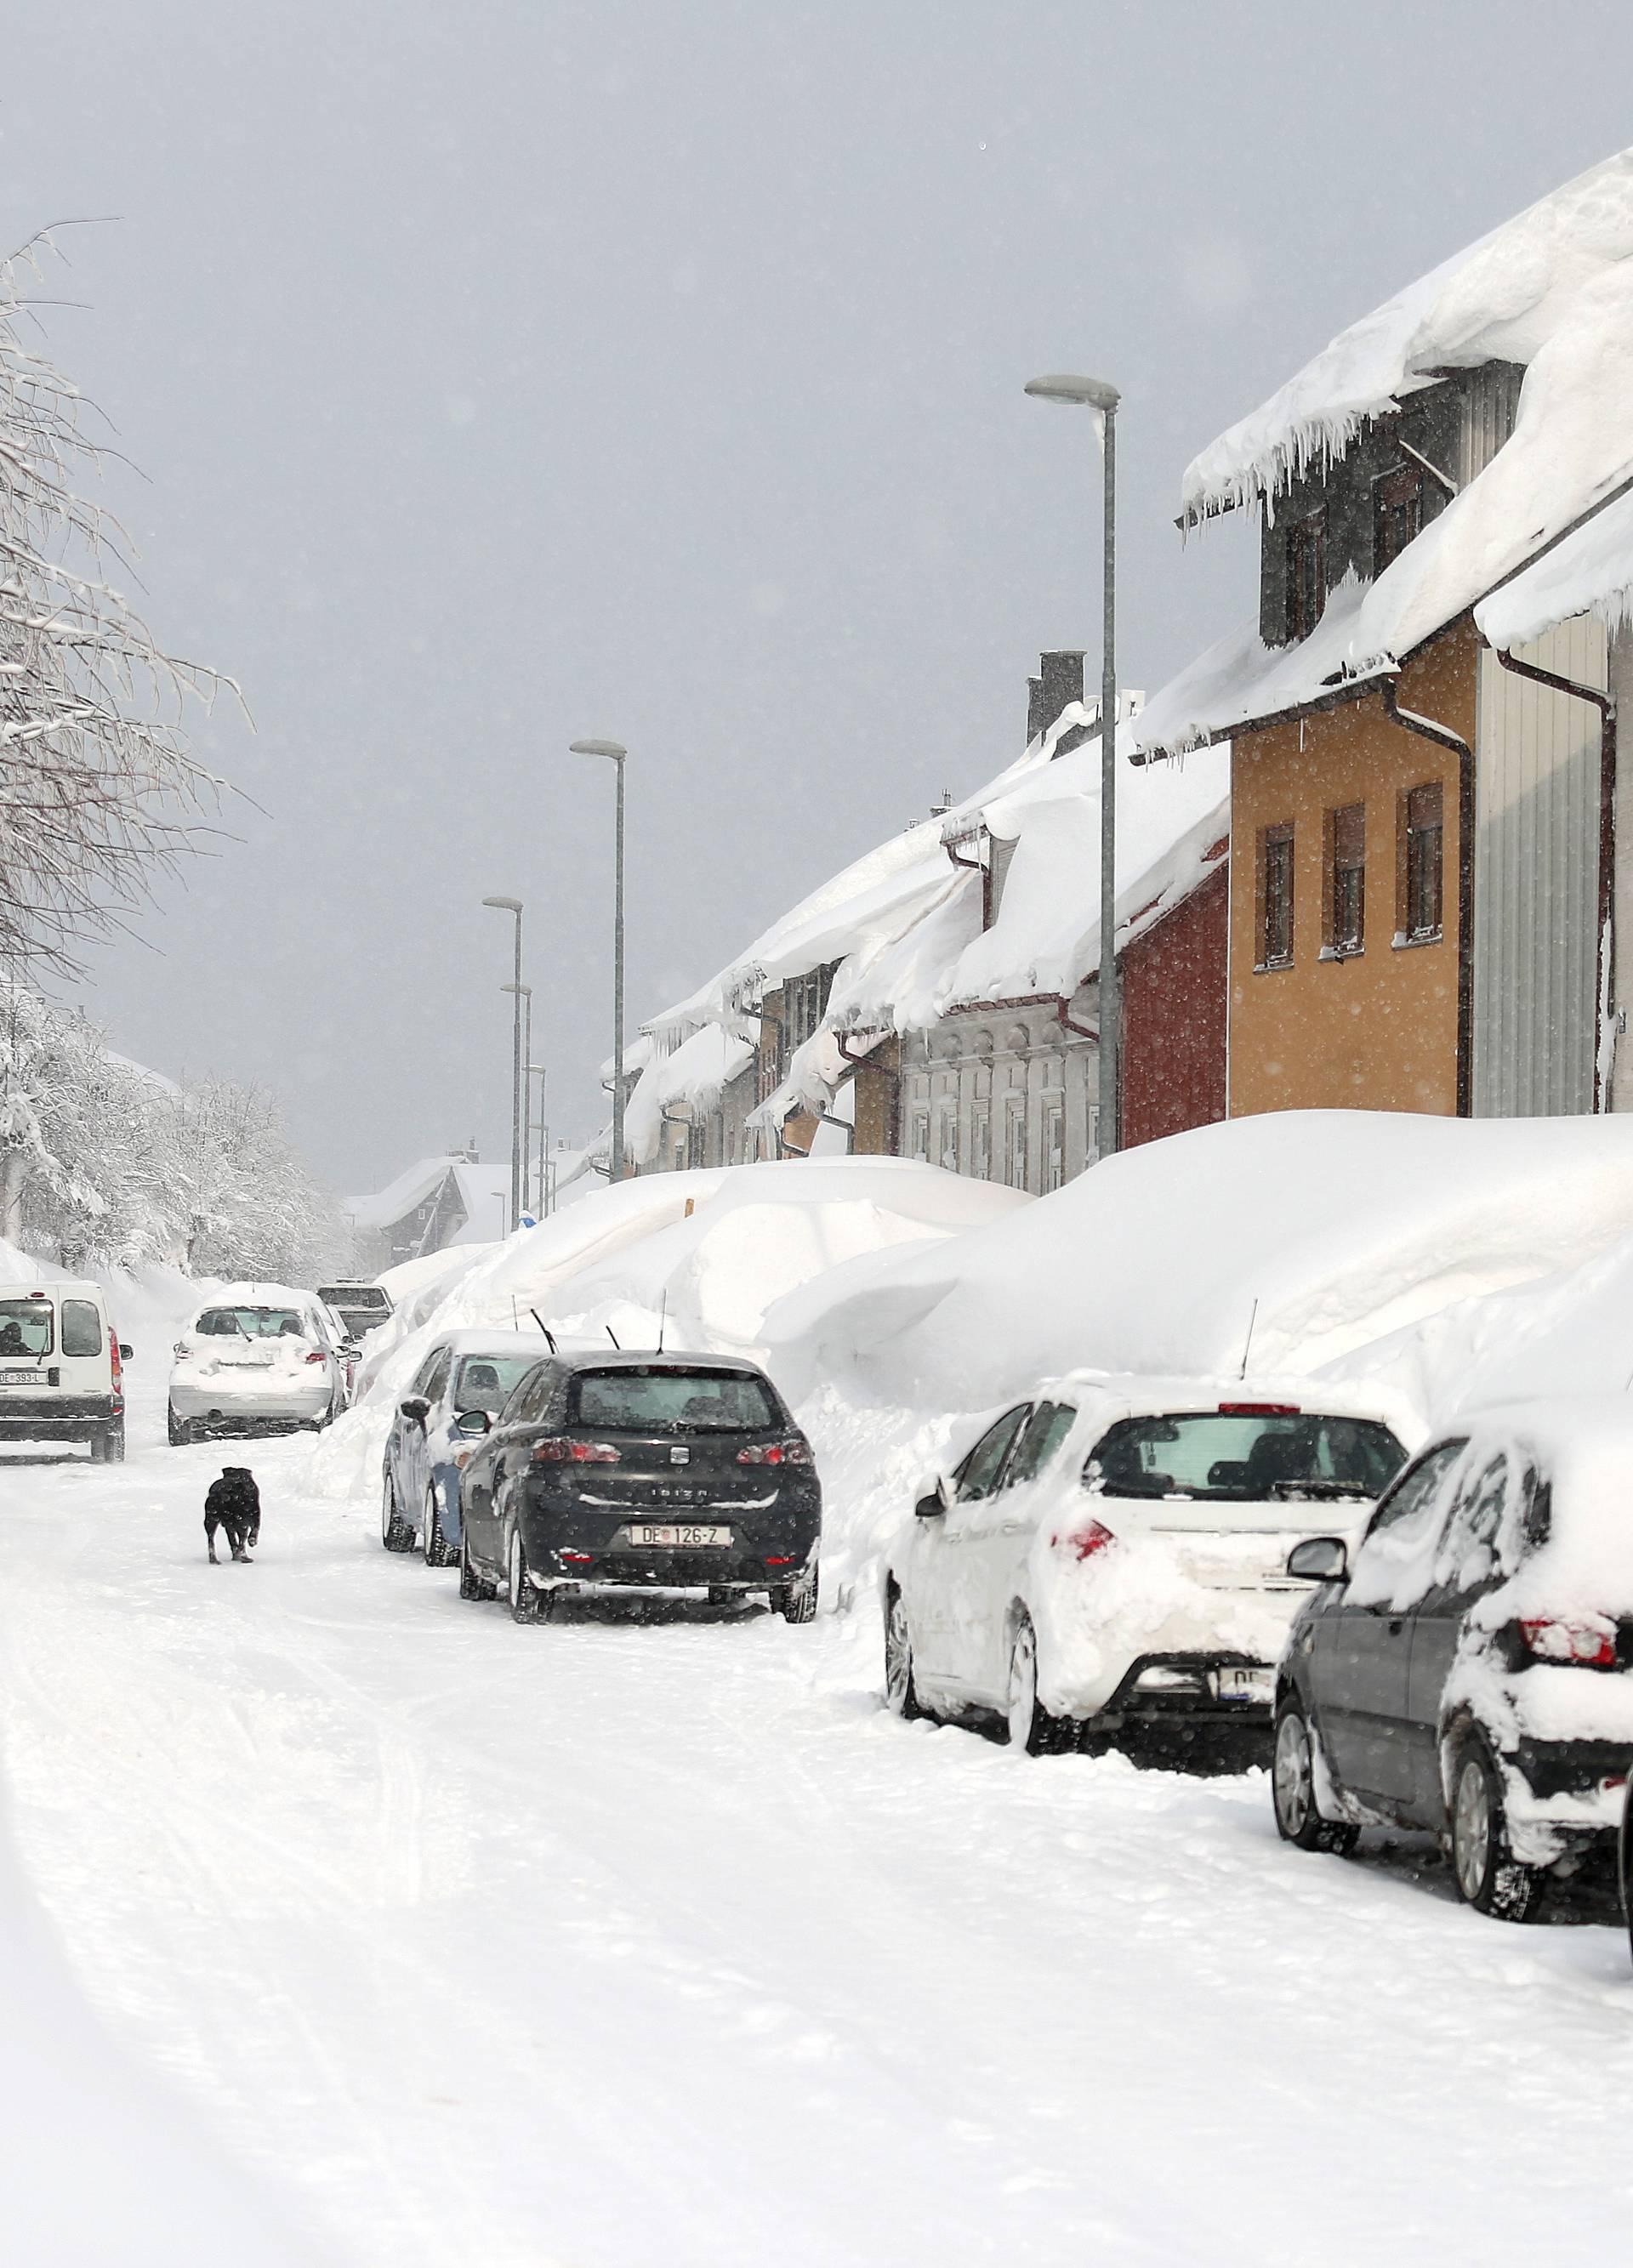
point(1037, 723)
point(1061, 683)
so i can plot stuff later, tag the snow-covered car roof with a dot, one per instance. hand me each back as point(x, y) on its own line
point(258, 1295)
point(494, 1342)
point(1133, 1395)
point(1583, 1445)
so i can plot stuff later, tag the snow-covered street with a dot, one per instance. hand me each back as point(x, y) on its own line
point(619, 1942)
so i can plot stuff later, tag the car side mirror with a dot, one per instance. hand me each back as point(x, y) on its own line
point(124, 1351)
point(415, 1407)
point(1320, 1559)
point(475, 1422)
point(932, 1506)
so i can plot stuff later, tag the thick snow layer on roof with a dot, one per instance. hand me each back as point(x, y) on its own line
point(1047, 938)
point(1502, 299)
point(695, 1073)
point(1591, 571)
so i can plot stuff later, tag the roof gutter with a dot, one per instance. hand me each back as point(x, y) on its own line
point(1605, 703)
point(1443, 737)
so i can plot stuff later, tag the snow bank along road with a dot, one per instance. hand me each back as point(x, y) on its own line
point(660, 1943)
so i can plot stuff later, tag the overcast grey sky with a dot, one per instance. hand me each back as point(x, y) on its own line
point(653, 369)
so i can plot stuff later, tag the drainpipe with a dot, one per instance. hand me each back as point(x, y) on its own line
point(1605, 703)
point(1443, 737)
point(1063, 1016)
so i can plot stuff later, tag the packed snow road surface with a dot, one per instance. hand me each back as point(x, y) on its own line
point(620, 1942)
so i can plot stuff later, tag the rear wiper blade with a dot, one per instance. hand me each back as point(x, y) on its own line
point(1321, 1492)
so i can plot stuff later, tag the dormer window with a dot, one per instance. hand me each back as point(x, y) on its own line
point(1397, 513)
point(1306, 574)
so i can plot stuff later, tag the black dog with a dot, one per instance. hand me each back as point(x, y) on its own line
point(234, 1505)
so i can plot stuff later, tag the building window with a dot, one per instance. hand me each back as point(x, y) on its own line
point(1306, 574)
point(919, 1140)
point(947, 1136)
point(1424, 836)
point(1275, 896)
point(1346, 881)
point(1015, 1141)
point(981, 1141)
point(1055, 1141)
point(1397, 514)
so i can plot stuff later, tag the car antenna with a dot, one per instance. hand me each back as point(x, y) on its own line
point(662, 1317)
point(1247, 1344)
point(613, 1336)
point(550, 1336)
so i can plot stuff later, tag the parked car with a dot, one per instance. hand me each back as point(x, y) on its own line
point(644, 1471)
point(61, 1368)
point(1106, 1561)
point(1469, 1670)
point(256, 1359)
point(426, 1452)
point(361, 1307)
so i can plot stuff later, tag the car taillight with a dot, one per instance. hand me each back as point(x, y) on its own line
point(113, 1352)
point(317, 1355)
point(1085, 1542)
point(557, 1449)
point(796, 1452)
point(182, 1352)
point(1591, 1643)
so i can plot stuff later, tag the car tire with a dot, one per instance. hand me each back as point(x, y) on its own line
point(438, 1552)
point(798, 1601)
point(1292, 1786)
point(1031, 1728)
point(472, 1585)
point(901, 1691)
point(1487, 1875)
point(113, 1443)
point(395, 1532)
point(523, 1599)
point(180, 1429)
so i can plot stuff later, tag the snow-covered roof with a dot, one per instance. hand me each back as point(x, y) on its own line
point(1552, 290)
point(696, 1072)
point(1590, 571)
point(480, 1187)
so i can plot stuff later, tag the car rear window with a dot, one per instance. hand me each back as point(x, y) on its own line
point(25, 1327)
point(82, 1327)
point(1242, 1458)
point(351, 1295)
point(662, 1401)
point(487, 1380)
point(250, 1323)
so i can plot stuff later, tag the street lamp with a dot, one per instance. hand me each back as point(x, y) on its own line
point(616, 754)
point(525, 993)
point(513, 906)
point(1094, 394)
point(536, 1071)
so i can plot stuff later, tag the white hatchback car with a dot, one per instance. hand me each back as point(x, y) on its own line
point(257, 1358)
point(1108, 1560)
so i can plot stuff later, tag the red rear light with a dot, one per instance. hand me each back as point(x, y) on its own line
point(317, 1355)
point(557, 1449)
point(1594, 1644)
point(1085, 1542)
point(113, 1350)
point(797, 1452)
point(1260, 1409)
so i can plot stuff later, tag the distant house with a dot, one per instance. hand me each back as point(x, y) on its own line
point(440, 1202)
point(1425, 796)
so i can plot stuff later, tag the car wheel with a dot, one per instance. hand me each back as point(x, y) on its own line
point(1488, 1876)
point(1031, 1726)
point(798, 1602)
point(180, 1430)
point(395, 1532)
point(901, 1694)
point(113, 1443)
point(432, 1542)
point(524, 1600)
point(1292, 1787)
point(472, 1585)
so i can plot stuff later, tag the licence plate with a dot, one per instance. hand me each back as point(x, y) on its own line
point(20, 1378)
point(675, 1538)
point(1257, 1683)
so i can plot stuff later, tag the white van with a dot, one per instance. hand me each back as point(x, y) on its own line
point(60, 1368)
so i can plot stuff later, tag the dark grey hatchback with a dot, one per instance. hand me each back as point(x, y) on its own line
point(640, 1471)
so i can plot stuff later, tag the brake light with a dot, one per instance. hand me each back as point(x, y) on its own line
point(796, 1452)
point(113, 1350)
point(317, 1355)
point(182, 1352)
point(1259, 1409)
point(1085, 1542)
point(557, 1449)
point(1594, 1644)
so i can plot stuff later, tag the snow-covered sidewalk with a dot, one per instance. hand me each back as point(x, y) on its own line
point(619, 1943)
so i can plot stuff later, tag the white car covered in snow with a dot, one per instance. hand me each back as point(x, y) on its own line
point(1108, 1560)
point(257, 1358)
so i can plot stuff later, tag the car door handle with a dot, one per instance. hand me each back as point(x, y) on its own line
point(1397, 1626)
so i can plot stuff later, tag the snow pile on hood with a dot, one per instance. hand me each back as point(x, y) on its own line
point(1553, 290)
point(702, 1254)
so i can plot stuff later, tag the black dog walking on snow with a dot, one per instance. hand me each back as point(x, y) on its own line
point(234, 1505)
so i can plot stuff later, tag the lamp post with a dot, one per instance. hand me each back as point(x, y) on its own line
point(1094, 394)
point(525, 993)
point(616, 754)
point(513, 906)
point(536, 1071)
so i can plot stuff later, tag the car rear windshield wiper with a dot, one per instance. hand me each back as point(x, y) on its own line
point(1320, 1492)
